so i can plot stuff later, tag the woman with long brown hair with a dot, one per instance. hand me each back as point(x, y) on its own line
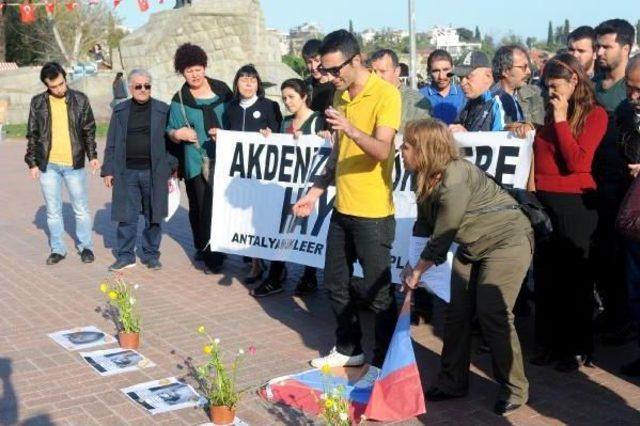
point(563, 150)
point(458, 202)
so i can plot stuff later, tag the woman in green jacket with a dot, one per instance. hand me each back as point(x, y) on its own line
point(458, 202)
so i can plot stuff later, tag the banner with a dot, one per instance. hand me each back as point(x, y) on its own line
point(257, 180)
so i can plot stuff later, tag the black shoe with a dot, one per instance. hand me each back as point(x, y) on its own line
point(154, 264)
point(267, 288)
point(631, 369)
point(199, 256)
point(306, 285)
point(119, 265)
point(87, 256)
point(54, 258)
point(435, 394)
point(502, 408)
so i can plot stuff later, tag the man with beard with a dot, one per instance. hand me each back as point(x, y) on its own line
point(446, 98)
point(614, 40)
point(581, 43)
point(628, 122)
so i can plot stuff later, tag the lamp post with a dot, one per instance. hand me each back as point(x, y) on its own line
point(412, 45)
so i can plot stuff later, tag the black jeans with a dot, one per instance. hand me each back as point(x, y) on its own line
point(369, 241)
point(609, 257)
point(139, 196)
point(200, 195)
point(564, 278)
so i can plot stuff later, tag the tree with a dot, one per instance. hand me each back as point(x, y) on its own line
point(350, 26)
point(477, 36)
point(638, 31)
point(550, 35)
point(64, 35)
point(488, 45)
point(510, 39)
point(531, 41)
point(465, 34)
point(567, 30)
point(296, 63)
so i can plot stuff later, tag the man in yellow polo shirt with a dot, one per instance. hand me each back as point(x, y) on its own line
point(60, 134)
point(365, 119)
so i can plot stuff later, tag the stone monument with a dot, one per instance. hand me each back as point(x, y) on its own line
point(232, 32)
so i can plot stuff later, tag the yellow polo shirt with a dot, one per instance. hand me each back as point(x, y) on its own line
point(363, 185)
point(60, 138)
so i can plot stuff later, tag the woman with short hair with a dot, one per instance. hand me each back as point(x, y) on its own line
point(195, 114)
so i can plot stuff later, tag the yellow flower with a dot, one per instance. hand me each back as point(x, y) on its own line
point(201, 329)
point(104, 287)
point(325, 369)
point(207, 349)
point(113, 295)
point(328, 403)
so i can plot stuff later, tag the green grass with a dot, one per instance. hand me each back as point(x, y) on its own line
point(20, 130)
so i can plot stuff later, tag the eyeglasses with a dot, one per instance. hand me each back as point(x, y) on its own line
point(142, 86)
point(524, 67)
point(335, 71)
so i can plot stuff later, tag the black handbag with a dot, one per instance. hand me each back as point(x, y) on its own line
point(530, 206)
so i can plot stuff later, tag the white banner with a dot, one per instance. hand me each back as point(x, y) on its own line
point(258, 179)
point(256, 182)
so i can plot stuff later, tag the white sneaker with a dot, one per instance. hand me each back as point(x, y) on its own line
point(336, 359)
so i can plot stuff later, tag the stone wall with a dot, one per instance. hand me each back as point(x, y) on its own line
point(232, 32)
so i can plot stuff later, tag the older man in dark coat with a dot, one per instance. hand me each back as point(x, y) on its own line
point(137, 166)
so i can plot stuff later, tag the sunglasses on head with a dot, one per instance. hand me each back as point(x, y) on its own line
point(142, 86)
point(335, 71)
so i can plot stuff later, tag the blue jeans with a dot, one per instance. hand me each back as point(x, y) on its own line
point(633, 280)
point(139, 198)
point(76, 183)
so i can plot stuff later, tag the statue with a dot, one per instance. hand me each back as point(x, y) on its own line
point(181, 3)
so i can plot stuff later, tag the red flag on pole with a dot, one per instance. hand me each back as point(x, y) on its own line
point(71, 5)
point(143, 5)
point(50, 7)
point(116, 3)
point(27, 13)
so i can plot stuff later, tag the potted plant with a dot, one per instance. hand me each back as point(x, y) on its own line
point(218, 381)
point(127, 319)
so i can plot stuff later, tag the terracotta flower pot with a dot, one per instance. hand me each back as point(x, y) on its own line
point(129, 340)
point(222, 415)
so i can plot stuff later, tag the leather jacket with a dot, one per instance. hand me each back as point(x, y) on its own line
point(82, 130)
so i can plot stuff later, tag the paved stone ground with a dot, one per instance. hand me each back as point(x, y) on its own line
point(44, 384)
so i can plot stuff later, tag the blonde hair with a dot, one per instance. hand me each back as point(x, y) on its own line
point(434, 150)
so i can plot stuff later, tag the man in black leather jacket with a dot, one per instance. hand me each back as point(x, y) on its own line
point(60, 132)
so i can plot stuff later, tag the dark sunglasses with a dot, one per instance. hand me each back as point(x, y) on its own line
point(141, 86)
point(335, 71)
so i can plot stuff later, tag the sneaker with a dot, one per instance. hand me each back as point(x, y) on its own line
point(154, 264)
point(631, 369)
point(87, 256)
point(54, 258)
point(267, 288)
point(306, 285)
point(336, 359)
point(119, 265)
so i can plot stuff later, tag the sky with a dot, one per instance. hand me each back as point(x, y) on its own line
point(496, 17)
